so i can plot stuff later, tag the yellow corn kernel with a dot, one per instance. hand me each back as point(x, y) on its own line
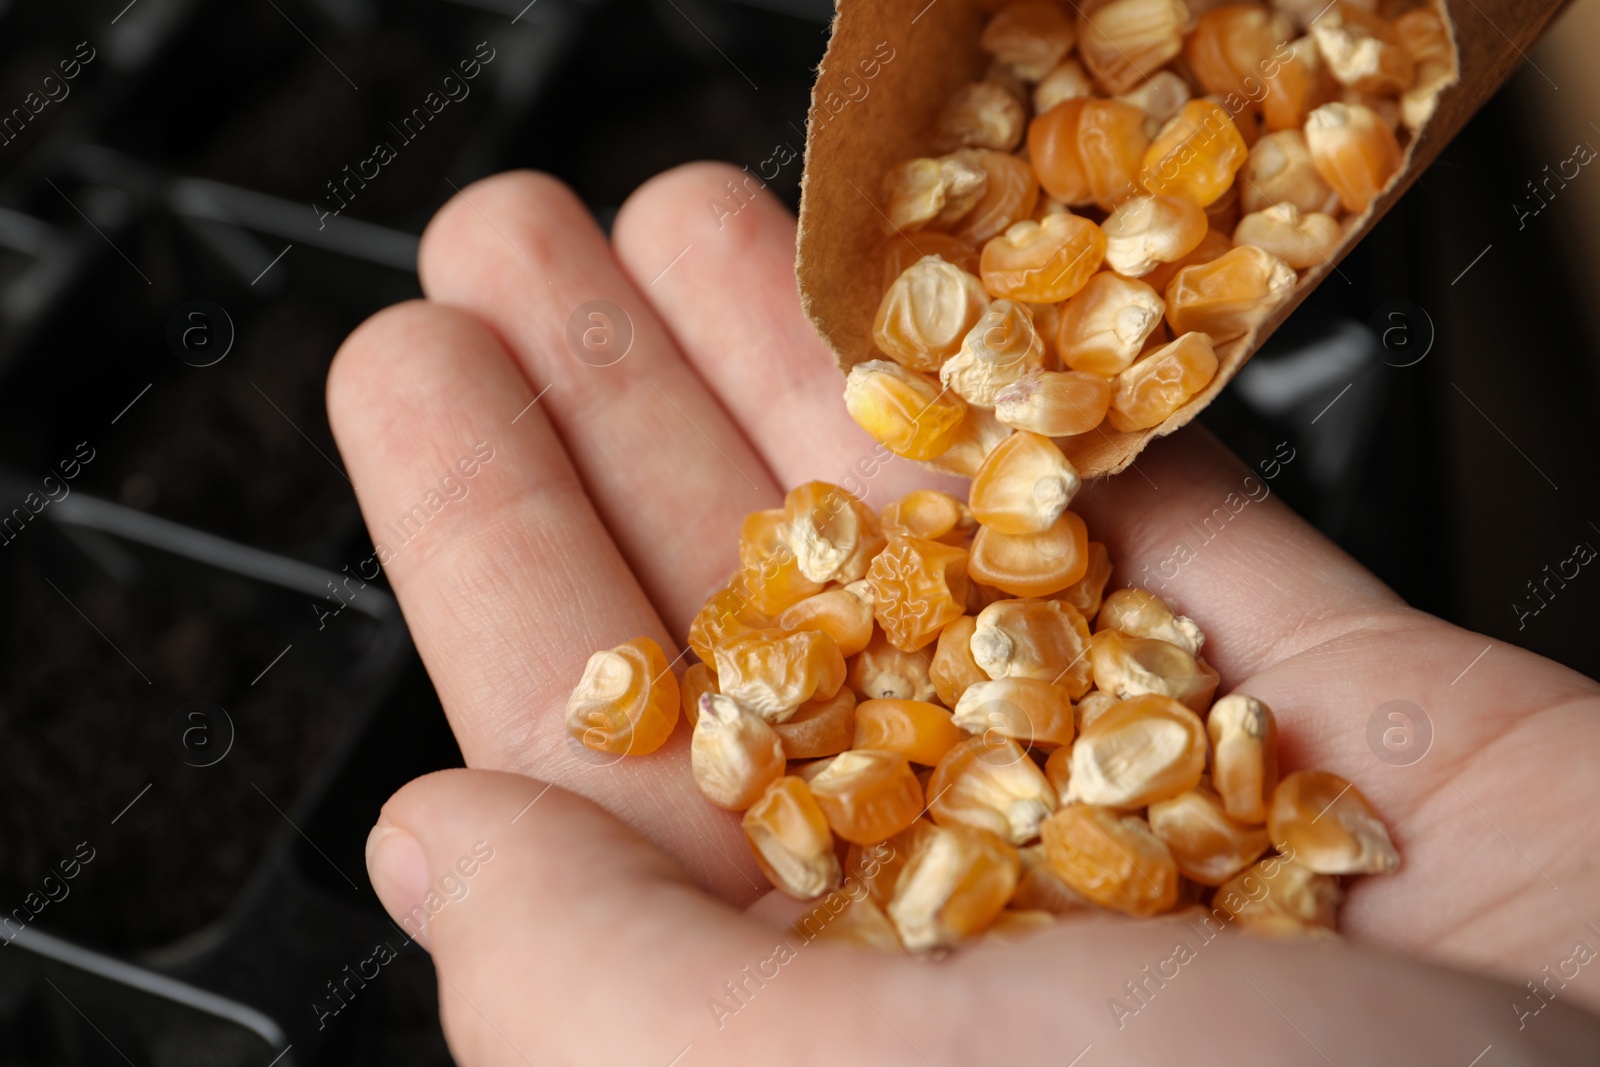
point(1329, 826)
point(952, 669)
point(868, 795)
point(1030, 37)
point(1054, 403)
point(1302, 241)
point(1112, 859)
point(1133, 666)
point(1139, 751)
point(1362, 52)
point(919, 731)
point(901, 250)
point(917, 587)
point(1232, 45)
point(1229, 296)
point(1040, 888)
point(1091, 706)
point(988, 782)
point(698, 680)
point(1295, 83)
point(1085, 594)
point(978, 435)
point(1046, 640)
point(834, 536)
point(1122, 40)
point(905, 412)
point(1146, 231)
point(769, 573)
point(1354, 151)
point(1058, 765)
point(1066, 81)
point(1147, 393)
point(1027, 710)
point(727, 615)
point(1105, 326)
point(926, 312)
point(1211, 246)
point(1042, 262)
point(877, 866)
point(773, 673)
point(1086, 150)
point(1280, 171)
point(1009, 196)
point(930, 192)
point(1424, 36)
point(1244, 756)
point(930, 515)
point(734, 753)
point(1206, 844)
point(844, 614)
point(626, 702)
point(1017, 924)
point(1001, 347)
point(980, 115)
point(854, 922)
point(790, 838)
point(1160, 97)
point(1024, 485)
point(953, 886)
point(883, 672)
point(1280, 897)
point(1140, 613)
point(822, 727)
point(1195, 155)
point(1031, 564)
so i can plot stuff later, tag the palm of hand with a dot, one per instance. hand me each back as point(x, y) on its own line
point(608, 509)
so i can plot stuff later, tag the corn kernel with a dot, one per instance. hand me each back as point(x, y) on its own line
point(1027, 710)
point(901, 250)
point(1066, 81)
point(1140, 613)
point(905, 412)
point(1244, 756)
point(734, 753)
point(1424, 35)
point(1085, 594)
point(1105, 326)
point(917, 587)
point(844, 614)
point(1042, 639)
point(931, 515)
point(1146, 231)
point(1329, 826)
point(883, 672)
point(930, 192)
point(1000, 347)
point(1017, 924)
point(1162, 381)
point(1160, 97)
point(834, 536)
point(1112, 859)
point(953, 668)
point(919, 731)
point(926, 312)
point(854, 922)
point(1058, 765)
point(773, 673)
point(1030, 37)
point(1086, 150)
point(1123, 39)
point(1054, 403)
point(626, 702)
point(868, 795)
point(769, 573)
point(1228, 297)
point(1043, 262)
point(792, 843)
point(1140, 751)
point(1024, 485)
point(1278, 896)
point(1297, 81)
point(822, 727)
point(1133, 666)
point(877, 866)
point(1232, 45)
point(1362, 52)
point(953, 887)
point(978, 434)
point(1280, 171)
point(1031, 564)
point(1353, 151)
point(1385, 107)
point(989, 783)
point(1009, 196)
point(1040, 888)
point(1223, 212)
point(1207, 846)
point(1212, 246)
point(726, 615)
point(1091, 706)
point(1195, 155)
point(980, 115)
point(698, 680)
point(1302, 241)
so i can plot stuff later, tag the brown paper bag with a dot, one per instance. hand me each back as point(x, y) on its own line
point(889, 68)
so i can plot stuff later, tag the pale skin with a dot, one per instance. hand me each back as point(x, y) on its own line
point(618, 902)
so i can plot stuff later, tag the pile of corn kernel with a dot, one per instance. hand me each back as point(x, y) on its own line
point(912, 706)
point(1126, 189)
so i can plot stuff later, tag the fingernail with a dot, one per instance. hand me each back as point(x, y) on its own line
point(399, 873)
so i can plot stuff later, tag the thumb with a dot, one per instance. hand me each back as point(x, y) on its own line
point(529, 899)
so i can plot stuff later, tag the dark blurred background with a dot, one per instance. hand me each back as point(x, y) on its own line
point(195, 744)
